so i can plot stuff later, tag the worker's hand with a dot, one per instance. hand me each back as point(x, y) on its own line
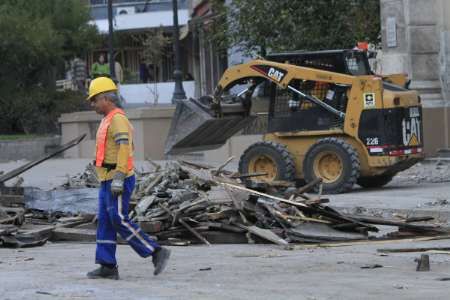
point(117, 183)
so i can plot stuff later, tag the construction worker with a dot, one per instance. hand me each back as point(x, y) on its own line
point(114, 163)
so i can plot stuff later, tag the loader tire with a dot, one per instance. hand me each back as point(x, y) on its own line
point(268, 157)
point(374, 181)
point(335, 161)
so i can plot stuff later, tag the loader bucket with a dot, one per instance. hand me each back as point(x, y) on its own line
point(194, 127)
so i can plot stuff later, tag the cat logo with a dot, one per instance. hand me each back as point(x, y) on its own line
point(275, 74)
point(369, 100)
point(411, 132)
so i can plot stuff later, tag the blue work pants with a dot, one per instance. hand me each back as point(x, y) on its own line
point(113, 219)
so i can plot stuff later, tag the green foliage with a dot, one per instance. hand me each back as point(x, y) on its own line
point(282, 25)
point(37, 110)
point(155, 44)
point(36, 38)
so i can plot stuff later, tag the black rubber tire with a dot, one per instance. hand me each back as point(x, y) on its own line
point(277, 152)
point(374, 181)
point(350, 162)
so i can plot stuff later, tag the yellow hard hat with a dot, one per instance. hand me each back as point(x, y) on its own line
point(101, 85)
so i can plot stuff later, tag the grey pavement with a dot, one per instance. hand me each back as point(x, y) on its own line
point(57, 271)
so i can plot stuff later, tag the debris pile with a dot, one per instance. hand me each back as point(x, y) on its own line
point(184, 202)
point(24, 227)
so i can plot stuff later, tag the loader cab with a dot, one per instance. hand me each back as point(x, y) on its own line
point(290, 112)
point(351, 62)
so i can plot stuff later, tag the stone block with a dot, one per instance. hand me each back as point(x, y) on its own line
point(394, 63)
point(423, 12)
point(425, 67)
point(424, 39)
point(151, 227)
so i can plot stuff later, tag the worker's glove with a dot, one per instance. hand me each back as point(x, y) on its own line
point(117, 183)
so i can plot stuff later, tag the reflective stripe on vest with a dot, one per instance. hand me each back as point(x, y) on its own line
point(101, 139)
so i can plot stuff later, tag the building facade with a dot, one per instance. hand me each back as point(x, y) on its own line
point(416, 41)
point(209, 63)
point(144, 82)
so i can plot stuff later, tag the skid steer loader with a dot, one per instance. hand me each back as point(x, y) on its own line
point(344, 125)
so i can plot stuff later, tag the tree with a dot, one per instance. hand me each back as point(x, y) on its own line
point(155, 44)
point(36, 38)
point(283, 25)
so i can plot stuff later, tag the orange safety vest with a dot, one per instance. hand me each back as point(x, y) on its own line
point(101, 139)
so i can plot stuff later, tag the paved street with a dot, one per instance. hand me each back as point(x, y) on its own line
point(57, 270)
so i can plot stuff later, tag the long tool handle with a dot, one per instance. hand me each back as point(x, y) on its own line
point(31, 164)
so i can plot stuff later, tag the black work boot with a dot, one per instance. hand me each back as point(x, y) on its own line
point(104, 272)
point(160, 259)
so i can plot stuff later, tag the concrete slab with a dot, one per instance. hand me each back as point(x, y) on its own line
point(425, 199)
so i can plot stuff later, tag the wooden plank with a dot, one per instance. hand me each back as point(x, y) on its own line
point(74, 221)
point(419, 219)
point(41, 231)
point(225, 227)
point(194, 232)
point(12, 200)
point(7, 229)
point(73, 234)
point(151, 227)
point(249, 175)
point(8, 219)
point(225, 237)
point(18, 241)
point(323, 232)
point(220, 168)
point(378, 221)
point(266, 234)
point(308, 186)
point(238, 187)
point(371, 242)
point(18, 218)
point(423, 249)
point(155, 182)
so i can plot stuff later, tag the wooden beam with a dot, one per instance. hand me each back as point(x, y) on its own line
point(238, 187)
point(399, 250)
point(373, 242)
point(194, 232)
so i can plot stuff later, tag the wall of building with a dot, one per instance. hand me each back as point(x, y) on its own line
point(29, 149)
